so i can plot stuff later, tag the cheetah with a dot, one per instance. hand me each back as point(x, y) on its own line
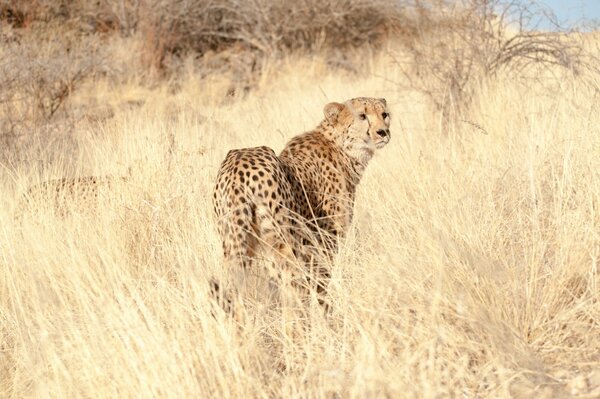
point(267, 202)
point(64, 193)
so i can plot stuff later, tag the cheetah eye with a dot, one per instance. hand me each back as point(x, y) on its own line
point(385, 115)
point(362, 116)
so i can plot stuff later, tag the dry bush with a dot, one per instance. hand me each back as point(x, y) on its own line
point(52, 47)
point(264, 26)
point(225, 36)
point(452, 44)
point(460, 44)
point(46, 55)
point(39, 71)
point(86, 16)
point(268, 25)
point(198, 26)
point(202, 25)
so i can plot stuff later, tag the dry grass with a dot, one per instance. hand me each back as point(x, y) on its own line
point(470, 270)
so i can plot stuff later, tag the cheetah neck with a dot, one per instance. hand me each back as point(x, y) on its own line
point(354, 159)
point(355, 168)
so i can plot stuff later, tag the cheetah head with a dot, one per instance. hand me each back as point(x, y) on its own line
point(360, 126)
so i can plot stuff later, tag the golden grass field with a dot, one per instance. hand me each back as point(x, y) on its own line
point(470, 271)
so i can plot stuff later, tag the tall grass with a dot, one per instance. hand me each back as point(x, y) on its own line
point(470, 269)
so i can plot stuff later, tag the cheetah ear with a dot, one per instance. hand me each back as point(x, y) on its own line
point(383, 101)
point(332, 111)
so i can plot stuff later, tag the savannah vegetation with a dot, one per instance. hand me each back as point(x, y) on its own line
point(471, 267)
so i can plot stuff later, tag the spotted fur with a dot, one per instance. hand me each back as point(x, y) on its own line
point(63, 194)
point(264, 201)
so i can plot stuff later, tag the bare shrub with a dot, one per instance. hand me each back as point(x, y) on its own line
point(51, 47)
point(236, 34)
point(266, 26)
point(99, 16)
point(39, 70)
point(458, 44)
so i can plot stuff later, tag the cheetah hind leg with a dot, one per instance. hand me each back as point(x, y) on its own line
point(292, 275)
point(230, 297)
point(238, 259)
point(292, 260)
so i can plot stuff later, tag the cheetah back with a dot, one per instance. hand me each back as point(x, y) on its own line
point(254, 204)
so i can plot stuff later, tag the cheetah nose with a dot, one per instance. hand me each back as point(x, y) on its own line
point(382, 132)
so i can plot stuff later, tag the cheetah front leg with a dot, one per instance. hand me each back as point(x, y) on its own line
point(334, 225)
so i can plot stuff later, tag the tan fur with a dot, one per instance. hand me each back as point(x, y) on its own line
point(265, 201)
point(62, 194)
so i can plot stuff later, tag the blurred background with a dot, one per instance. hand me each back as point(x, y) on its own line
point(51, 48)
point(577, 13)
